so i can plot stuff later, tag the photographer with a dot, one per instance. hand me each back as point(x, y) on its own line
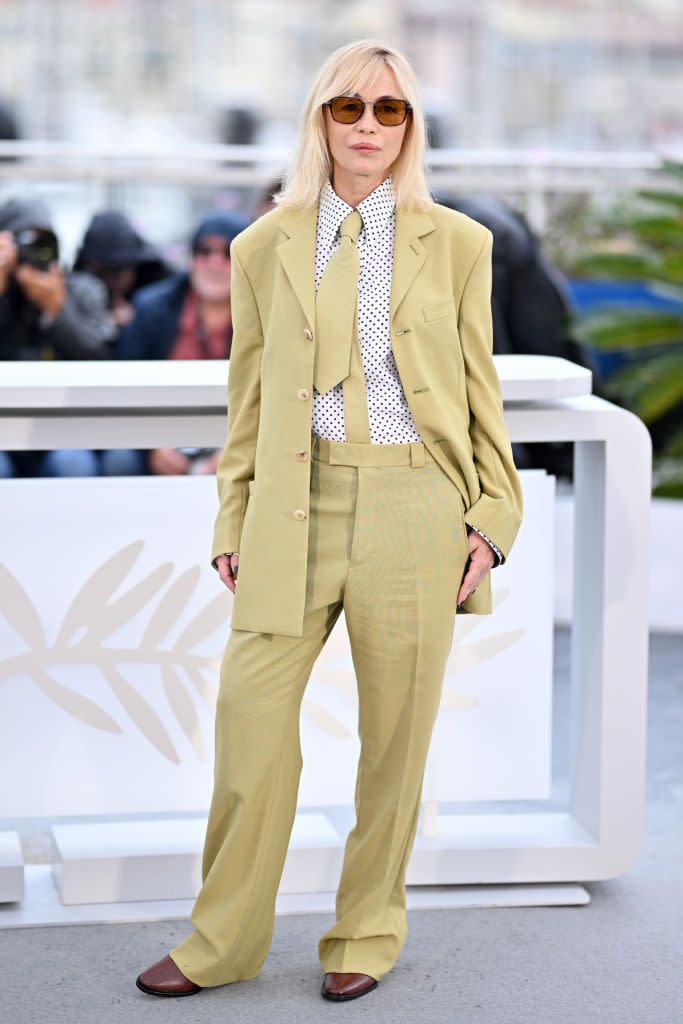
point(46, 313)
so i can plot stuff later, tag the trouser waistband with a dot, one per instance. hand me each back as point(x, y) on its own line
point(351, 453)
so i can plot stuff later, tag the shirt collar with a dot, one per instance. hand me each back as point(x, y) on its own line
point(376, 210)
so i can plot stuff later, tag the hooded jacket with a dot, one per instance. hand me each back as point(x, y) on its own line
point(81, 329)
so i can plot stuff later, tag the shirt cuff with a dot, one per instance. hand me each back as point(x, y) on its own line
point(499, 554)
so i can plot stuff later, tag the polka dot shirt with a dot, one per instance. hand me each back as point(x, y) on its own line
point(391, 421)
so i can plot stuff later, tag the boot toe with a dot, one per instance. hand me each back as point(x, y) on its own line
point(346, 985)
point(165, 978)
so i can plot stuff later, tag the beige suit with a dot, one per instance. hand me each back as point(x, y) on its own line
point(375, 530)
point(441, 335)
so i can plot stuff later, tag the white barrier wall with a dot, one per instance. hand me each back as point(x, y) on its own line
point(106, 705)
point(113, 625)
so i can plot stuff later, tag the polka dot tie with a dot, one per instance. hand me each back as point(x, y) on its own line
point(335, 308)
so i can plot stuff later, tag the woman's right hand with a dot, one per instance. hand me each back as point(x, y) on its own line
point(227, 565)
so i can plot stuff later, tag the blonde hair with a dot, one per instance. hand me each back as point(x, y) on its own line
point(350, 67)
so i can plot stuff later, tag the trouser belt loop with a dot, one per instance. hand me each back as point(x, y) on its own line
point(417, 453)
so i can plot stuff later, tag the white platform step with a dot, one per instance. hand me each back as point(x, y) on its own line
point(11, 868)
point(160, 859)
point(42, 906)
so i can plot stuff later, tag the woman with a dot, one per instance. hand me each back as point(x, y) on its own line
point(368, 468)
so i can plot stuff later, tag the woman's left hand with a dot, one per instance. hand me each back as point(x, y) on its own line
point(482, 558)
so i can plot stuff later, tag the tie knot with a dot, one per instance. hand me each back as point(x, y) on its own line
point(351, 225)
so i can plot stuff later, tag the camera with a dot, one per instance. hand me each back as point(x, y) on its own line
point(38, 247)
point(195, 455)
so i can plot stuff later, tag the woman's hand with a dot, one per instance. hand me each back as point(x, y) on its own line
point(227, 569)
point(482, 558)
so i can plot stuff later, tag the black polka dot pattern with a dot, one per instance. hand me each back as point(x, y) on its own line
point(391, 421)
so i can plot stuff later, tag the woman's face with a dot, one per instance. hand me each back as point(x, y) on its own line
point(373, 163)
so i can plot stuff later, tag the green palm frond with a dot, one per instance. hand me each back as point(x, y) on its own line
point(652, 387)
point(640, 238)
point(672, 167)
point(674, 446)
point(658, 230)
point(622, 266)
point(666, 198)
point(667, 477)
point(672, 267)
point(624, 328)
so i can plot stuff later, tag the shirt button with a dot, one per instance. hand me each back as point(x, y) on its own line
point(302, 456)
point(302, 393)
point(299, 513)
point(308, 334)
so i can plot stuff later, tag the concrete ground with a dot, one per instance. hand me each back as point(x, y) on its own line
point(618, 960)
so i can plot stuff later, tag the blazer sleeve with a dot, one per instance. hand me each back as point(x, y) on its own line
point(236, 466)
point(497, 512)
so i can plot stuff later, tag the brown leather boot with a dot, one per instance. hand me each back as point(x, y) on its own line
point(341, 986)
point(165, 978)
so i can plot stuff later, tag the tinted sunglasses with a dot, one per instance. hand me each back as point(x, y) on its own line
point(349, 109)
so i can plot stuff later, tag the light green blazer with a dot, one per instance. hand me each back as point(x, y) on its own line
point(441, 336)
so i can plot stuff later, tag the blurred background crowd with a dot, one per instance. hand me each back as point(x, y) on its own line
point(138, 138)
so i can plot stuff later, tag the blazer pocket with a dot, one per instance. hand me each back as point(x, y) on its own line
point(438, 310)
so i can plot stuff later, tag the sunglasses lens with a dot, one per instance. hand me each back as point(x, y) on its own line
point(390, 112)
point(346, 109)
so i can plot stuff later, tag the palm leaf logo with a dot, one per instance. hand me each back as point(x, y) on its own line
point(93, 615)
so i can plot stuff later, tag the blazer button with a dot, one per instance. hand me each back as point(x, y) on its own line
point(299, 513)
point(308, 334)
point(302, 393)
point(302, 456)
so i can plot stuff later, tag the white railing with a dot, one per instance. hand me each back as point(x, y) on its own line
point(530, 175)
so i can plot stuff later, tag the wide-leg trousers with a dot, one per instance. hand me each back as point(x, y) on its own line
point(388, 545)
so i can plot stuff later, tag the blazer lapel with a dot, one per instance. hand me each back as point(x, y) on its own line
point(409, 254)
point(297, 254)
